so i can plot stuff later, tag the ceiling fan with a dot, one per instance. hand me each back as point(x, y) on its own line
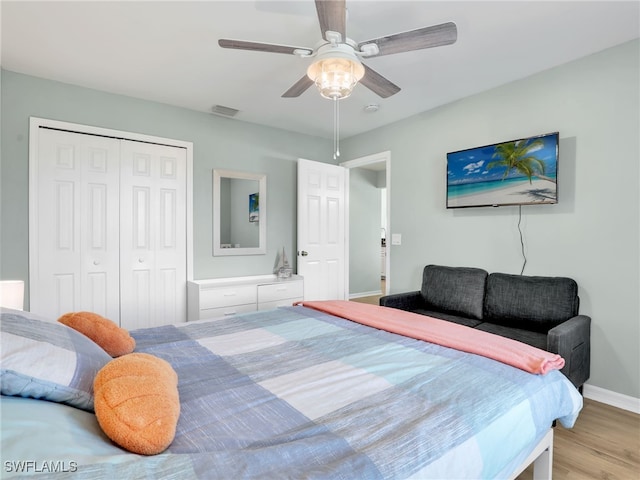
point(337, 67)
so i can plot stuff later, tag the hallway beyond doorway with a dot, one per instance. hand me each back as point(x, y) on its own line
point(372, 299)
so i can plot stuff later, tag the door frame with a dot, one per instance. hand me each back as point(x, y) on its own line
point(35, 123)
point(361, 162)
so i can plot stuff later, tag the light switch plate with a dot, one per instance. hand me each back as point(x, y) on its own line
point(396, 239)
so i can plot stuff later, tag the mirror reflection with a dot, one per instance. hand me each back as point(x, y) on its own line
point(239, 213)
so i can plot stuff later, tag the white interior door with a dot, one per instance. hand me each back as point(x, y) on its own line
point(153, 235)
point(321, 230)
point(74, 222)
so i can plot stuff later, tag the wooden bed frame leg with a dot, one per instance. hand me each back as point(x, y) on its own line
point(541, 457)
point(543, 465)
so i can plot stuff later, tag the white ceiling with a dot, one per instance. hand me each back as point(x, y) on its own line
point(168, 52)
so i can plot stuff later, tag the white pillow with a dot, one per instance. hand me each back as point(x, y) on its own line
point(47, 360)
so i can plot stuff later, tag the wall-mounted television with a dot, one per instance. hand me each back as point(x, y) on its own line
point(517, 172)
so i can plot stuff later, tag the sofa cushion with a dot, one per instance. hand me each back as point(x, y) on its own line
point(468, 322)
point(536, 339)
point(532, 303)
point(455, 290)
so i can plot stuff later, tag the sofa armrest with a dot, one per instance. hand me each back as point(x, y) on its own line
point(403, 301)
point(572, 341)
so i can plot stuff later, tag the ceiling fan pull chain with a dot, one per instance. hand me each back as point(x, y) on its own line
point(336, 128)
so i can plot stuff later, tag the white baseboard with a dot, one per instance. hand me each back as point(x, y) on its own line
point(619, 400)
point(365, 294)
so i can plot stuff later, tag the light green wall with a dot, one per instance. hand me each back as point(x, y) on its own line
point(590, 235)
point(364, 231)
point(218, 143)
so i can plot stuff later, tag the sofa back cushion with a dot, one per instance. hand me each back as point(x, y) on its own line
point(531, 303)
point(456, 290)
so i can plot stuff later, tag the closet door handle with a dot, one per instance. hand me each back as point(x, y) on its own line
point(304, 254)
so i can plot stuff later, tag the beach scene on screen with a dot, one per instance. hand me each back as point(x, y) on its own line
point(518, 172)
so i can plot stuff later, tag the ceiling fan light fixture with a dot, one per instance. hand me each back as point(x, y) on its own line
point(335, 72)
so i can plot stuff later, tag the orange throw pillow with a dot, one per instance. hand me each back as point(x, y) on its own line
point(114, 340)
point(137, 403)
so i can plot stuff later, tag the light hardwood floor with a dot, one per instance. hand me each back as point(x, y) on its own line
point(604, 443)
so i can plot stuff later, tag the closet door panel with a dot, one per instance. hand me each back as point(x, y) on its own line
point(97, 299)
point(153, 234)
point(74, 261)
point(99, 231)
point(137, 304)
point(63, 293)
point(169, 285)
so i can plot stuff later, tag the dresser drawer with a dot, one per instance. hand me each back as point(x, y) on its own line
point(221, 297)
point(287, 302)
point(227, 296)
point(279, 291)
point(226, 311)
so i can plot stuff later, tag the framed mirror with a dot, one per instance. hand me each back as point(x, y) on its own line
point(239, 213)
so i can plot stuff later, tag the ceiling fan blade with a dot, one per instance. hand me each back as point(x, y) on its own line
point(332, 15)
point(426, 37)
point(263, 47)
point(378, 84)
point(298, 88)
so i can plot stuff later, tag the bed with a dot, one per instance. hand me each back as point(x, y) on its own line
point(296, 392)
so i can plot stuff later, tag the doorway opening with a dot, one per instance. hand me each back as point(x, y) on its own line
point(368, 227)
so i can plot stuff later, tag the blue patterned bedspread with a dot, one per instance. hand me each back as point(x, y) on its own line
point(295, 393)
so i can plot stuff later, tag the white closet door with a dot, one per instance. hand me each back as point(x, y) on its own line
point(153, 235)
point(74, 262)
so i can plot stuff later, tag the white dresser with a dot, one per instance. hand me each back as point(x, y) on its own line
point(220, 297)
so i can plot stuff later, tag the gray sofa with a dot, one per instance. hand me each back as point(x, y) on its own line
point(539, 311)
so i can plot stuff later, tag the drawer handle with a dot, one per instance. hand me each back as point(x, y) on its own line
point(228, 314)
point(230, 294)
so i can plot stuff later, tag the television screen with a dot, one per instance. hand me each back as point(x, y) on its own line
point(518, 172)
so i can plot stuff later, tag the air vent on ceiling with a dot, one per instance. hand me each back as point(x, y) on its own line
point(224, 111)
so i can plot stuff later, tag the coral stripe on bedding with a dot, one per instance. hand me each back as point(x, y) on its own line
point(448, 334)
